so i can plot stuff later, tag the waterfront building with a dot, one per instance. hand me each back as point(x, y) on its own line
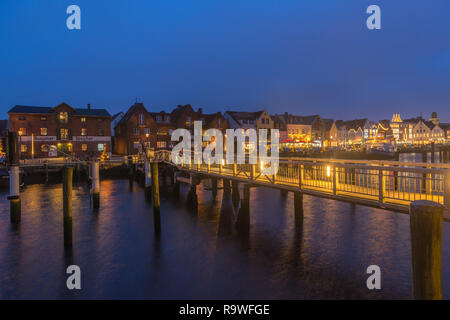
point(164, 129)
point(135, 131)
point(61, 131)
point(342, 133)
point(358, 131)
point(401, 130)
point(422, 132)
point(249, 120)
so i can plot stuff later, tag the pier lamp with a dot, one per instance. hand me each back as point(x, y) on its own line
point(328, 171)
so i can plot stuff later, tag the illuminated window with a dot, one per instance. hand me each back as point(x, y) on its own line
point(43, 118)
point(83, 120)
point(43, 131)
point(63, 117)
point(161, 144)
point(64, 133)
point(84, 147)
point(101, 147)
point(44, 148)
point(23, 148)
point(83, 131)
point(22, 132)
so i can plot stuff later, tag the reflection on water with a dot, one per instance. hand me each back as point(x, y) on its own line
point(201, 256)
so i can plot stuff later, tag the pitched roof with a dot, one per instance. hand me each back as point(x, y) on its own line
point(116, 115)
point(355, 124)
point(241, 115)
point(328, 124)
point(47, 110)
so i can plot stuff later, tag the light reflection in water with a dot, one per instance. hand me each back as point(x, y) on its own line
point(326, 257)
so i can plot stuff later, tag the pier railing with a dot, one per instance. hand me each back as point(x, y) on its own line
point(379, 183)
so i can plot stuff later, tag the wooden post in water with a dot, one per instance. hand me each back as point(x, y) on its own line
point(14, 177)
point(235, 192)
point(243, 218)
point(156, 203)
point(298, 207)
point(67, 206)
point(440, 155)
point(226, 186)
point(147, 179)
point(426, 219)
point(130, 172)
point(444, 155)
point(214, 187)
point(95, 173)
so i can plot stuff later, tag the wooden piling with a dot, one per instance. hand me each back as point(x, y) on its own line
point(298, 207)
point(147, 180)
point(243, 218)
point(214, 187)
point(95, 173)
point(192, 199)
point(444, 155)
point(235, 192)
point(426, 220)
point(67, 205)
point(130, 172)
point(226, 186)
point(14, 177)
point(156, 203)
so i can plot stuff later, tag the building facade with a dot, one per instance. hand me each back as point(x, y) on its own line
point(135, 132)
point(61, 131)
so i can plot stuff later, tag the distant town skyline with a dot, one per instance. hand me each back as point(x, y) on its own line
point(285, 56)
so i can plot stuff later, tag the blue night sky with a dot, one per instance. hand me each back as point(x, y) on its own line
point(304, 57)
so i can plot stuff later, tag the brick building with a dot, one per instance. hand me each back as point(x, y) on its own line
point(135, 131)
point(61, 131)
point(139, 128)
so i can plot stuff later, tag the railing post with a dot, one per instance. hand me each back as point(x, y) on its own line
point(95, 185)
point(209, 165)
point(252, 171)
point(426, 220)
point(300, 175)
point(220, 167)
point(381, 186)
point(235, 169)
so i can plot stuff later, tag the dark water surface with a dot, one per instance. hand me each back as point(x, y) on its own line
point(197, 255)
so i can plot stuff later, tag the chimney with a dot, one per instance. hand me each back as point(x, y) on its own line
point(200, 110)
point(89, 106)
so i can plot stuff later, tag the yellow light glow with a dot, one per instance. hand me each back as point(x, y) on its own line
point(262, 165)
point(328, 171)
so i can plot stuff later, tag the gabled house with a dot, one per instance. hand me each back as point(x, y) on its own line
point(246, 120)
point(135, 132)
